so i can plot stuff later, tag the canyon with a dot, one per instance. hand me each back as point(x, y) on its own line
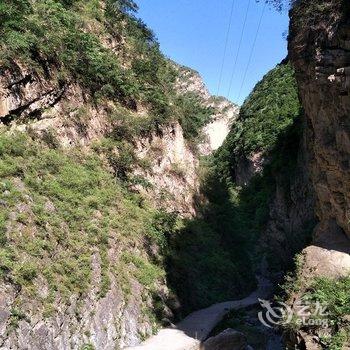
point(138, 211)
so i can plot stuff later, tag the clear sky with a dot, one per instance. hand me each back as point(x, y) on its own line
point(193, 32)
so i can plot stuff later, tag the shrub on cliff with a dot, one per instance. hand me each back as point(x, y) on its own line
point(66, 41)
point(57, 210)
point(267, 113)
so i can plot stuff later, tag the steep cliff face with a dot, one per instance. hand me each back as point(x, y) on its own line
point(68, 114)
point(319, 51)
point(291, 208)
point(29, 99)
point(170, 180)
point(93, 178)
point(99, 164)
point(320, 55)
point(224, 111)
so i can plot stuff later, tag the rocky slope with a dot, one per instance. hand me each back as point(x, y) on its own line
point(224, 111)
point(172, 173)
point(93, 178)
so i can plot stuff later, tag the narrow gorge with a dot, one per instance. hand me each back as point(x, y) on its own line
point(138, 211)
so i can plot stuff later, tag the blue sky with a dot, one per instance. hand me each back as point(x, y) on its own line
point(193, 32)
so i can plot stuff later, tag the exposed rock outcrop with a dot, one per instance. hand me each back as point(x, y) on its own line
point(320, 55)
point(227, 340)
point(42, 106)
point(319, 51)
point(291, 214)
point(30, 100)
point(225, 112)
point(247, 167)
point(217, 130)
point(173, 170)
point(102, 322)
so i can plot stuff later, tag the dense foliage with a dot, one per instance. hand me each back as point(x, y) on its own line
point(335, 294)
point(268, 123)
point(220, 246)
point(193, 115)
point(58, 209)
point(209, 258)
point(64, 40)
point(267, 113)
point(332, 294)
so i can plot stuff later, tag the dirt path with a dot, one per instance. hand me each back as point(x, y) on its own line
point(188, 334)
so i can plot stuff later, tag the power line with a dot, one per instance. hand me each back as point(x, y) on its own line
point(226, 44)
point(252, 51)
point(239, 49)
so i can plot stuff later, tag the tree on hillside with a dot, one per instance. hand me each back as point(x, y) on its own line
point(127, 5)
point(280, 5)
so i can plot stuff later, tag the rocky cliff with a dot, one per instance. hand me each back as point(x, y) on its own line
point(171, 177)
point(265, 156)
point(224, 111)
point(321, 60)
point(319, 51)
point(98, 167)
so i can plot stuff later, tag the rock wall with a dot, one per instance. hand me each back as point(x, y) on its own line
point(104, 323)
point(42, 106)
point(29, 100)
point(217, 130)
point(225, 112)
point(173, 172)
point(291, 214)
point(319, 49)
point(321, 58)
point(36, 104)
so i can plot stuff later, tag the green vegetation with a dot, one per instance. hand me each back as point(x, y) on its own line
point(87, 347)
point(145, 272)
point(269, 124)
point(15, 317)
point(63, 40)
point(59, 209)
point(194, 116)
point(52, 32)
point(336, 295)
point(64, 212)
point(221, 244)
point(333, 295)
point(237, 320)
point(265, 116)
point(306, 13)
point(209, 257)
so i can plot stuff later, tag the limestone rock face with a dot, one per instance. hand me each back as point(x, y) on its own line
point(225, 112)
point(247, 167)
point(40, 104)
point(173, 169)
point(321, 57)
point(227, 340)
point(35, 103)
point(319, 51)
point(190, 81)
point(104, 322)
point(217, 130)
point(31, 101)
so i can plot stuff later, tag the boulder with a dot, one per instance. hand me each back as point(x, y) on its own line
point(227, 340)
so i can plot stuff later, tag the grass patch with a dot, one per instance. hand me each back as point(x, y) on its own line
point(60, 208)
point(336, 295)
